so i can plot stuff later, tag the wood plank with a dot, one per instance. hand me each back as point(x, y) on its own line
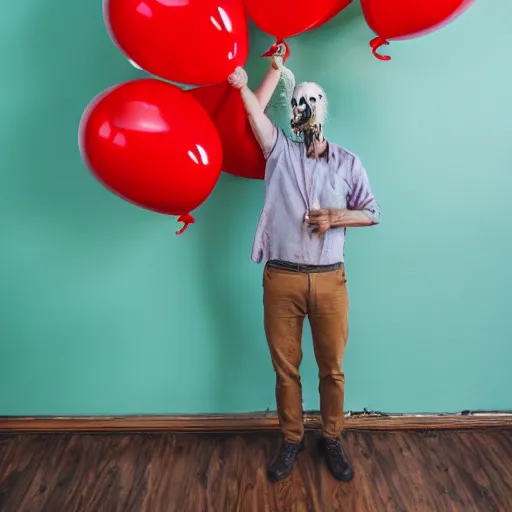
point(432, 471)
point(247, 422)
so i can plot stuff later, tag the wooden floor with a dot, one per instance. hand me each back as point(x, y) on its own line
point(467, 471)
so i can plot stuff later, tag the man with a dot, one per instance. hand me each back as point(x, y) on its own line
point(314, 191)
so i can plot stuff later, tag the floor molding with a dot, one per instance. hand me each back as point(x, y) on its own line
point(249, 422)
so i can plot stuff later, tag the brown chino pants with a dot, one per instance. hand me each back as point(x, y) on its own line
point(289, 296)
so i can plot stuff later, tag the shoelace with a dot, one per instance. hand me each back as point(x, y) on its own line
point(288, 451)
point(335, 448)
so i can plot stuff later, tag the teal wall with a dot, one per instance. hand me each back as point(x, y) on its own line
point(103, 310)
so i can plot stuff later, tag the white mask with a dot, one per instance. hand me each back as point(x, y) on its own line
point(309, 109)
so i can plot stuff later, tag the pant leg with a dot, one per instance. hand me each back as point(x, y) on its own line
point(328, 316)
point(285, 306)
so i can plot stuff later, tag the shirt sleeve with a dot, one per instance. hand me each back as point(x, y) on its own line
point(360, 196)
point(280, 145)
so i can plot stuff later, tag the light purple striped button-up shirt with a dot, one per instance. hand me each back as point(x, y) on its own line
point(295, 185)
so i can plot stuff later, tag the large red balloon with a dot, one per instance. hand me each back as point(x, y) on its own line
point(288, 18)
point(188, 41)
point(153, 145)
point(241, 152)
point(405, 19)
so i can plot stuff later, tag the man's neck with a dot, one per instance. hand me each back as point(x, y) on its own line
point(317, 148)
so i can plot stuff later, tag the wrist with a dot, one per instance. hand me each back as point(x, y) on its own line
point(336, 216)
point(342, 218)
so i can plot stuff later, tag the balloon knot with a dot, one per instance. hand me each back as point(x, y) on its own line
point(187, 219)
point(375, 44)
point(279, 49)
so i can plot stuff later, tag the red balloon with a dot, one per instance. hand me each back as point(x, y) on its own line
point(241, 152)
point(153, 145)
point(289, 18)
point(405, 19)
point(188, 41)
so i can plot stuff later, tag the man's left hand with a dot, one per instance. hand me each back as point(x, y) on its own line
point(327, 218)
point(322, 219)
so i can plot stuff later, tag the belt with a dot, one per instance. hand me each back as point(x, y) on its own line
point(301, 267)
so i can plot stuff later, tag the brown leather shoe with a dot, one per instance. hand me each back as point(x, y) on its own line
point(337, 460)
point(285, 460)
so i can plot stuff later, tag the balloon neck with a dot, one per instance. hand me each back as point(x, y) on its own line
point(279, 49)
point(187, 219)
point(375, 44)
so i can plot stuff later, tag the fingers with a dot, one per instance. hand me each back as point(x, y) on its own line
point(321, 219)
point(283, 51)
point(321, 223)
point(317, 219)
point(319, 213)
point(322, 228)
point(238, 79)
